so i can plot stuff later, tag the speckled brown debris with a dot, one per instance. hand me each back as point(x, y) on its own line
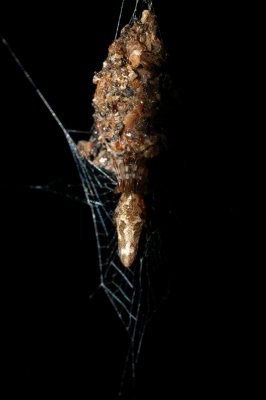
point(126, 103)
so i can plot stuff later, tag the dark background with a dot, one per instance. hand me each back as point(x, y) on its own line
point(205, 338)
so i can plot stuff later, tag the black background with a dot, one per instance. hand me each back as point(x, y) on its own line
point(205, 338)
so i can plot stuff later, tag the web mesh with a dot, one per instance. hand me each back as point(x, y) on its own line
point(130, 290)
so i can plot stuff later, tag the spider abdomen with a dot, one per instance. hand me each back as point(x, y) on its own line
point(129, 218)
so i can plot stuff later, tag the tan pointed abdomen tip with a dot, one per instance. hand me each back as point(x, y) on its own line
point(129, 219)
point(127, 258)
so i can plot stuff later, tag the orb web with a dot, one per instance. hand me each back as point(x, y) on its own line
point(130, 290)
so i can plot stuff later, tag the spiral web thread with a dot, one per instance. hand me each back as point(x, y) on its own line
point(130, 290)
